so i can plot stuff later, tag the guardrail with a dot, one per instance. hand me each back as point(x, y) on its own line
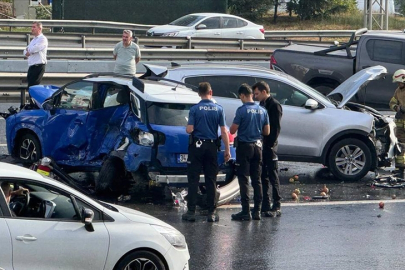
point(76, 24)
point(102, 41)
point(140, 28)
point(147, 54)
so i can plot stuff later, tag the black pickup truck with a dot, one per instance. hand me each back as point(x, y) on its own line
point(325, 67)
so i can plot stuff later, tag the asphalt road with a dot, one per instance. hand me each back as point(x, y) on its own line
point(333, 235)
point(345, 231)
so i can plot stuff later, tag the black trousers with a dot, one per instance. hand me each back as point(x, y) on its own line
point(270, 176)
point(202, 158)
point(35, 74)
point(248, 163)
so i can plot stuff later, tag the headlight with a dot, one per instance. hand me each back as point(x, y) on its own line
point(145, 138)
point(174, 237)
point(171, 34)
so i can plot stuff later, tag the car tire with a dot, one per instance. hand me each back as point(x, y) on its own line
point(349, 159)
point(325, 87)
point(28, 148)
point(110, 178)
point(142, 259)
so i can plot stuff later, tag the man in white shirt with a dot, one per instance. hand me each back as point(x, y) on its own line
point(36, 54)
point(126, 55)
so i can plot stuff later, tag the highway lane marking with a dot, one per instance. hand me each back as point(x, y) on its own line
point(3, 144)
point(322, 203)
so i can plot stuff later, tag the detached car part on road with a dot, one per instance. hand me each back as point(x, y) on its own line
point(54, 226)
point(349, 138)
point(120, 125)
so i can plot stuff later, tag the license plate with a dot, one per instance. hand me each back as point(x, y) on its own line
point(182, 158)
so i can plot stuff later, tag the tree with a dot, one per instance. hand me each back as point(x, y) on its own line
point(401, 5)
point(250, 9)
point(312, 9)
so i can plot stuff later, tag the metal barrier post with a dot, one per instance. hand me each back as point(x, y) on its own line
point(28, 39)
point(189, 43)
point(136, 40)
point(241, 44)
point(23, 97)
point(83, 41)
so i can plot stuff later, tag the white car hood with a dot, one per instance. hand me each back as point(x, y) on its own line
point(352, 85)
point(167, 28)
point(140, 217)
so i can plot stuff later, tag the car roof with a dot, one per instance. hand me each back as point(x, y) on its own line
point(207, 14)
point(11, 170)
point(156, 91)
point(381, 33)
point(223, 66)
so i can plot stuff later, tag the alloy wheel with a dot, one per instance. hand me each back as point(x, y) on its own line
point(350, 159)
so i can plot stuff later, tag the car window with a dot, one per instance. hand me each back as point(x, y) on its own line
point(284, 93)
point(168, 114)
point(387, 51)
point(212, 23)
point(241, 23)
point(187, 20)
point(222, 86)
point(116, 95)
point(136, 105)
point(76, 96)
point(229, 22)
point(45, 202)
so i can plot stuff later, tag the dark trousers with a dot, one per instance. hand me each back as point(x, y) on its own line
point(35, 74)
point(203, 158)
point(248, 163)
point(270, 176)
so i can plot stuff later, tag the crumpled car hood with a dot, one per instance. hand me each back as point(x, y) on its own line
point(40, 93)
point(344, 92)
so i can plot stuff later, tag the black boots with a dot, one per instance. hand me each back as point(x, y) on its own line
point(212, 217)
point(189, 216)
point(242, 215)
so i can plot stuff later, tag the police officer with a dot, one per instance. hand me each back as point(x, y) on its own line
point(261, 91)
point(251, 121)
point(397, 104)
point(203, 122)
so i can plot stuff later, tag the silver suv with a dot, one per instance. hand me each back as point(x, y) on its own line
point(349, 138)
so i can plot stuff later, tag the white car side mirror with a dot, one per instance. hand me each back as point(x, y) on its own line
point(311, 104)
point(201, 26)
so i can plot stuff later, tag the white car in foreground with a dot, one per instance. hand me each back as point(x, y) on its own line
point(209, 25)
point(56, 227)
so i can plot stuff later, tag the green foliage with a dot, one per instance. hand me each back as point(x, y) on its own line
point(401, 4)
point(43, 12)
point(313, 9)
point(250, 9)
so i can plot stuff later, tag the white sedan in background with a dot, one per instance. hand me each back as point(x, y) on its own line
point(209, 25)
point(56, 227)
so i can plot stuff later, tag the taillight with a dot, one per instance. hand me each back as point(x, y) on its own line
point(272, 61)
point(262, 30)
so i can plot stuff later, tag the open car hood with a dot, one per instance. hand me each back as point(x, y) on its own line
point(344, 92)
point(40, 93)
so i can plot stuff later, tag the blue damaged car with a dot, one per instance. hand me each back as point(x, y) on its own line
point(130, 130)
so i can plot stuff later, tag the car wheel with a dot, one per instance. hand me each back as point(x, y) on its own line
point(110, 177)
point(141, 260)
point(350, 159)
point(28, 148)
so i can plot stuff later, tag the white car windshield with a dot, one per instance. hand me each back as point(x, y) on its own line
point(168, 114)
point(187, 20)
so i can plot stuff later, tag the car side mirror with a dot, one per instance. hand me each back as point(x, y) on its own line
point(311, 104)
point(201, 26)
point(87, 219)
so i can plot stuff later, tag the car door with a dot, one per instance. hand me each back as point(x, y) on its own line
point(6, 249)
point(212, 28)
point(64, 131)
point(390, 54)
point(58, 241)
point(230, 28)
point(302, 130)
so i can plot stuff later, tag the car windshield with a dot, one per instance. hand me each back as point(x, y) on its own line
point(187, 20)
point(168, 114)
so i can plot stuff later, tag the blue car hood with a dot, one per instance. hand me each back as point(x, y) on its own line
point(40, 93)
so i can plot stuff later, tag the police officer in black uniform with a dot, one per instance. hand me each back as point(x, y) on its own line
point(204, 120)
point(261, 91)
point(251, 121)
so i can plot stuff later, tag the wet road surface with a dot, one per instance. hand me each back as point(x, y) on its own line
point(307, 236)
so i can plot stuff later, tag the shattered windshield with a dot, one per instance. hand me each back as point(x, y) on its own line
point(187, 20)
point(168, 114)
